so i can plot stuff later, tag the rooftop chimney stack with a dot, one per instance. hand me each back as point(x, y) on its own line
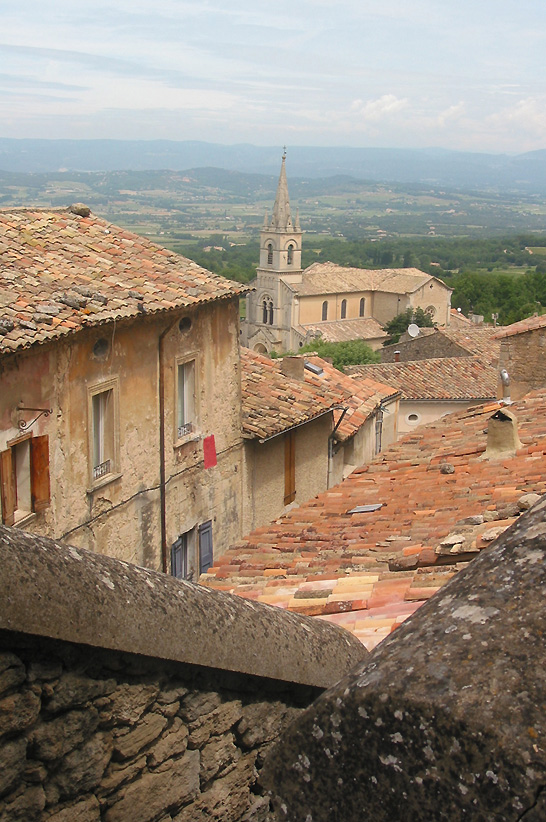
point(397, 356)
point(293, 367)
point(502, 434)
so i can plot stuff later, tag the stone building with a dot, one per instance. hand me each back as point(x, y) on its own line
point(306, 426)
point(522, 347)
point(120, 423)
point(290, 306)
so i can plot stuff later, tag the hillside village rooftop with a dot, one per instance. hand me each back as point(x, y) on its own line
point(62, 270)
point(368, 552)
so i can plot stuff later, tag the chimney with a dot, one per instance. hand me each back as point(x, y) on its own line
point(502, 434)
point(293, 367)
point(397, 356)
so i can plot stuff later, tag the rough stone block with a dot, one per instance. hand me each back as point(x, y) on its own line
point(228, 798)
point(18, 711)
point(213, 724)
point(26, 806)
point(54, 739)
point(12, 672)
point(12, 763)
point(173, 743)
point(118, 773)
point(132, 743)
point(262, 722)
point(198, 703)
point(75, 690)
point(153, 793)
point(83, 768)
point(128, 703)
point(217, 757)
point(86, 811)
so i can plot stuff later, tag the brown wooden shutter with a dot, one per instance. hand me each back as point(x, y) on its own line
point(8, 487)
point(39, 473)
point(289, 467)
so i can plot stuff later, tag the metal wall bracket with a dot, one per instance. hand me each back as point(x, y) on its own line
point(23, 425)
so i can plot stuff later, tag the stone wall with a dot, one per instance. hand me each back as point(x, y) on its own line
point(523, 357)
point(130, 696)
point(423, 348)
point(90, 735)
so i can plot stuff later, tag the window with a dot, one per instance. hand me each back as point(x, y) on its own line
point(205, 546)
point(343, 309)
point(271, 312)
point(179, 556)
point(269, 254)
point(325, 310)
point(264, 312)
point(290, 254)
point(289, 467)
point(183, 552)
point(362, 307)
point(186, 399)
point(24, 478)
point(103, 431)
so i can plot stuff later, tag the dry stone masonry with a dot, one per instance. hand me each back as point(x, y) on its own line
point(128, 696)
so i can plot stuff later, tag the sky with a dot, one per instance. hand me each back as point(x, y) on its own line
point(459, 74)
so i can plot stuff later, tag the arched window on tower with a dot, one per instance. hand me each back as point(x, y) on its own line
point(271, 312)
point(362, 307)
point(343, 309)
point(270, 253)
point(264, 312)
point(325, 310)
point(290, 254)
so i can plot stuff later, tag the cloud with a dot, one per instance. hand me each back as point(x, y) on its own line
point(451, 114)
point(375, 110)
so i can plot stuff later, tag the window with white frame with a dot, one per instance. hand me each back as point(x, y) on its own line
point(103, 446)
point(186, 411)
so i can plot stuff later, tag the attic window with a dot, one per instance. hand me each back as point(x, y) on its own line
point(314, 369)
point(366, 509)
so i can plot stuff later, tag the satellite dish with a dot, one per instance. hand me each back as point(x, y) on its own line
point(413, 330)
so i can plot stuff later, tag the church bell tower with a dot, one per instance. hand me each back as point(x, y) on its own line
point(280, 238)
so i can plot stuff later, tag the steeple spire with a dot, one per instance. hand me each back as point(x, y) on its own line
point(281, 219)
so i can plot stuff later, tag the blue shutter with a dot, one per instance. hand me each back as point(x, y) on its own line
point(205, 546)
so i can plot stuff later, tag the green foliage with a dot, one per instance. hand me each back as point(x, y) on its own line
point(352, 352)
point(399, 324)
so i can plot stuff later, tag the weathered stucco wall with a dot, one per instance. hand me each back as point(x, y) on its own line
point(310, 307)
point(120, 516)
point(427, 412)
point(523, 356)
point(433, 295)
point(265, 471)
point(128, 695)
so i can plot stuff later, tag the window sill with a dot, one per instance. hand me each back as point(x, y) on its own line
point(100, 483)
point(193, 437)
point(21, 518)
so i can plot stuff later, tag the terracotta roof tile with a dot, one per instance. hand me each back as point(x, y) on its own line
point(363, 328)
point(330, 278)
point(369, 571)
point(273, 402)
point(442, 378)
point(521, 327)
point(60, 272)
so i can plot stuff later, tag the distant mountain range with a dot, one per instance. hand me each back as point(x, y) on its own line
point(437, 167)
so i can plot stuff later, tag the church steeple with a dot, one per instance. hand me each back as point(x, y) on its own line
point(280, 239)
point(281, 219)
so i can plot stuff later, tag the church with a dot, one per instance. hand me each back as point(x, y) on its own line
point(289, 307)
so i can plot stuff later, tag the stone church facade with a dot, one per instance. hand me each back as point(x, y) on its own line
point(290, 307)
